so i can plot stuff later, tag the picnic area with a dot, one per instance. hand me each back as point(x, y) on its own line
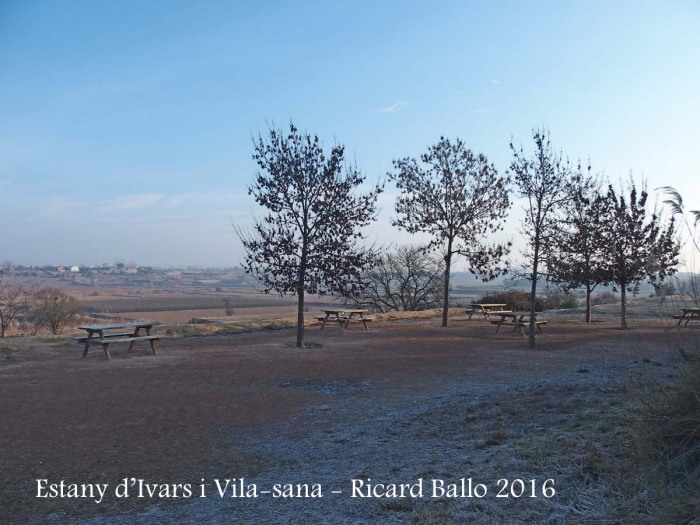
point(400, 401)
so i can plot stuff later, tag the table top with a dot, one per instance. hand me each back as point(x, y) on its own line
point(489, 305)
point(345, 310)
point(98, 327)
point(691, 310)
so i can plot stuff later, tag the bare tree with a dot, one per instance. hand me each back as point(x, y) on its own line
point(457, 198)
point(542, 180)
point(640, 246)
point(14, 300)
point(408, 279)
point(310, 241)
point(54, 310)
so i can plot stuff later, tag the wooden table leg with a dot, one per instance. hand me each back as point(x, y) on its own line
point(135, 334)
point(87, 343)
point(105, 347)
point(498, 325)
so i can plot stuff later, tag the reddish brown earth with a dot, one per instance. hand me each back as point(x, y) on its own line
point(165, 417)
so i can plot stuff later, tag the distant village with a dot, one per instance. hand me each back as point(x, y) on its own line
point(121, 274)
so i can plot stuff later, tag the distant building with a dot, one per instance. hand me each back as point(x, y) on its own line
point(75, 269)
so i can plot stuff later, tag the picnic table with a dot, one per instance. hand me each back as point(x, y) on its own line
point(105, 335)
point(344, 317)
point(689, 314)
point(517, 320)
point(486, 309)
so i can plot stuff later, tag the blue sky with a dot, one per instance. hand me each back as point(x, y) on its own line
point(126, 125)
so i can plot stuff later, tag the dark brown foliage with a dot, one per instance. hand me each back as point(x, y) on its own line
point(543, 181)
point(640, 246)
point(458, 198)
point(310, 240)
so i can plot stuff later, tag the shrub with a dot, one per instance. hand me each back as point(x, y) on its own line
point(557, 298)
point(54, 310)
point(603, 298)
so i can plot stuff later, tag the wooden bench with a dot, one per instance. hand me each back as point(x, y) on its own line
point(538, 324)
point(323, 319)
point(106, 341)
point(363, 320)
point(518, 322)
point(83, 338)
point(343, 321)
point(486, 309)
point(105, 334)
point(689, 314)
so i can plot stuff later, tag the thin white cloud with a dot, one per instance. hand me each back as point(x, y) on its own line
point(207, 199)
point(495, 82)
point(478, 110)
point(129, 202)
point(160, 203)
point(396, 106)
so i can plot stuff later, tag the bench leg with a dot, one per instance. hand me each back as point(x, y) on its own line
point(153, 346)
point(105, 347)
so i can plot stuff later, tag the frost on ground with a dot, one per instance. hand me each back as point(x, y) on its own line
point(574, 428)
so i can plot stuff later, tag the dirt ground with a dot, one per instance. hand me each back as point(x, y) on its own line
point(196, 411)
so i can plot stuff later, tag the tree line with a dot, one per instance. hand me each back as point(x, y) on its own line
point(36, 309)
point(579, 232)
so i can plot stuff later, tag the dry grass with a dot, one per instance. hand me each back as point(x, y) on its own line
point(620, 438)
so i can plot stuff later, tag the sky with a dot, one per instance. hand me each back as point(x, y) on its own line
point(126, 128)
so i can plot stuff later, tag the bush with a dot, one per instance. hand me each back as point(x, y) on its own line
point(54, 310)
point(604, 298)
point(558, 298)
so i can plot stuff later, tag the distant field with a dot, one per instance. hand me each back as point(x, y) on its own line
point(163, 304)
point(181, 302)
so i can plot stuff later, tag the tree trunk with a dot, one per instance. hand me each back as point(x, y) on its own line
point(533, 305)
point(623, 306)
point(300, 292)
point(300, 318)
point(588, 303)
point(533, 295)
point(446, 290)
